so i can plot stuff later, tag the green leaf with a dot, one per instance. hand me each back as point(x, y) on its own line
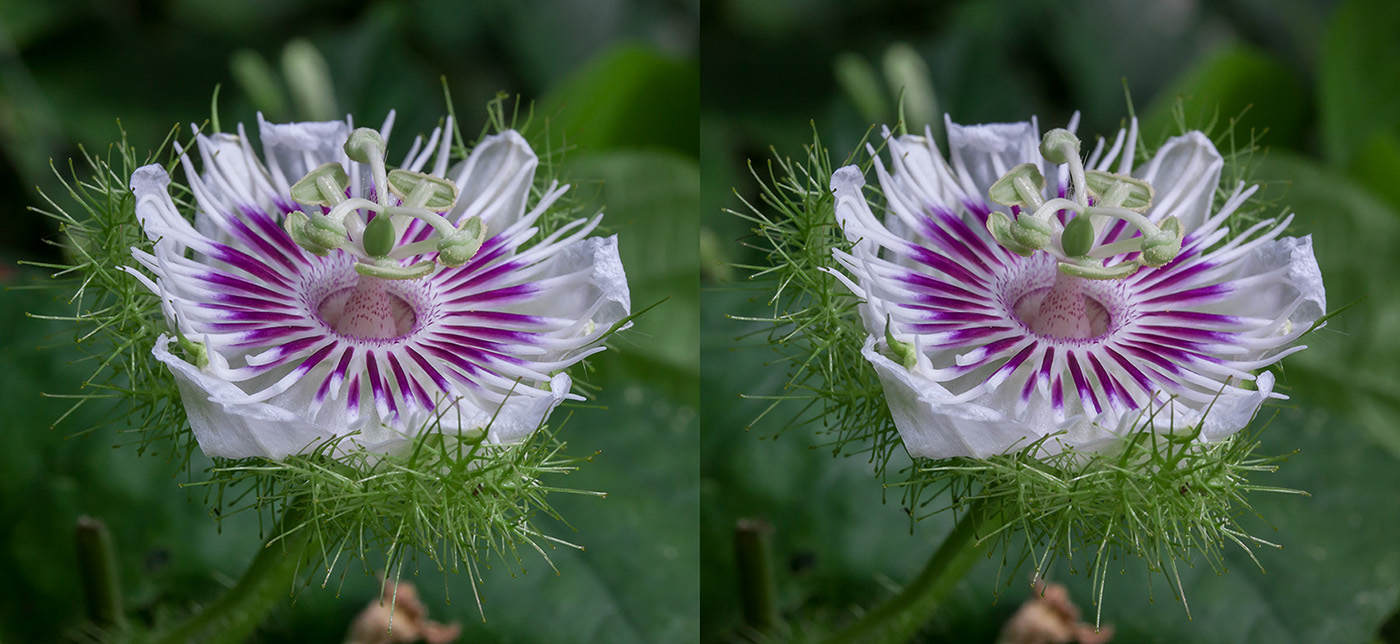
point(630, 97)
point(634, 582)
point(840, 549)
point(1377, 166)
point(1235, 82)
point(1336, 578)
point(1358, 84)
point(1347, 368)
point(651, 201)
point(165, 540)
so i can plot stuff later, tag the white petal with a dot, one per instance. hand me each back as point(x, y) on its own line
point(1231, 413)
point(1184, 174)
point(295, 149)
point(933, 424)
point(155, 209)
point(235, 430)
point(520, 415)
point(495, 180)
point(1302, 280)
point(852, 211)
point(983, 153)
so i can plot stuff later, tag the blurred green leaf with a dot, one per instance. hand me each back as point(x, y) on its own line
point(652, 200)
point(630, 97)
point(25, 22)
point(1359, 84)
point(833, 537)
point(862, 86)
point(1235, 82)
point(49, 477)
point(839, 548)
point(636, 580)
point(1336, 578)
point(1377, 166)
point(1350, 366)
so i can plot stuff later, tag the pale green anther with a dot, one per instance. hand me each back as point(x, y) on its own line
point(1000, 226)
point(1118, 190)
point(1078, 238)
point(473, 226)
point(385, 268)
point(1092, 269)
point(379, 236)
point(1059, 145)
point(903, 351)
point(318, 234)
point(1163, 246)
point(459, 247)
point(295, 225)
point(324, 186)
point(365, 144)
point(324, 231)
point(1031, 232)
point(1022, 186)
point(418, 190)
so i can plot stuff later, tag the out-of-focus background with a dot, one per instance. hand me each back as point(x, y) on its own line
point(617, 78)
point(1319, 79)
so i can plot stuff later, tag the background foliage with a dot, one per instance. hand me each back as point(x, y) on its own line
point(618, 79)
point(1323, 78)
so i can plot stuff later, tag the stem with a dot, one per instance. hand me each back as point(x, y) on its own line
point(438, 222)
point(97, 567)
point(1140, 221)
point(900, 618)
point(270, 578)
point(753, 557)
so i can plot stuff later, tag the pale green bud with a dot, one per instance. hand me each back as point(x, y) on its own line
point(319, 235)
point(1031, 232)
point(324, 232)
point(458, 248)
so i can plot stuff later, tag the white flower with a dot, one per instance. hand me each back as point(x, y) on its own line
point(1090, 328)
point(375, 302)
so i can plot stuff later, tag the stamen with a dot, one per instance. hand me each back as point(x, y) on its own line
point(1115, 196)
point(378, 223)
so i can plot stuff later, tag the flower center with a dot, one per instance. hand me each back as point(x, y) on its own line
point(368, 311)
point(1063, 311)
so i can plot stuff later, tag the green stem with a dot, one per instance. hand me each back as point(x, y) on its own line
point(97, 568)
point(900, 618)
point(754, 560)
point(268, 580)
